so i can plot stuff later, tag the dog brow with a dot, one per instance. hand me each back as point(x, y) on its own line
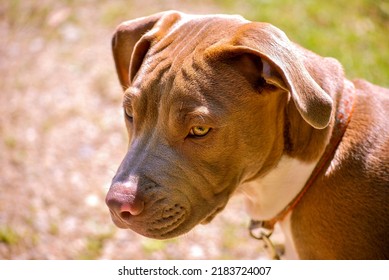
point(129, 95)
point(200, 114)
point(127, 101)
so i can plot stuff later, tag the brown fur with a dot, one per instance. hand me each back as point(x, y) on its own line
point(352, 201)
point(263, 98)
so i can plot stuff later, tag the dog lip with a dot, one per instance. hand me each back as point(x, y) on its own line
point(167, 225)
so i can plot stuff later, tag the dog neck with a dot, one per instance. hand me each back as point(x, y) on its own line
point(267, 196)
point(273, 196)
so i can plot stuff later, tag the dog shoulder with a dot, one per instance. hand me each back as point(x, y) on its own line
point(367, 137)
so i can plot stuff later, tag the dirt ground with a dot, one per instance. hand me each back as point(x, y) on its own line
point(62, 138)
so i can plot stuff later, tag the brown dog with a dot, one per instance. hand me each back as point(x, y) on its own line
point(217, 105)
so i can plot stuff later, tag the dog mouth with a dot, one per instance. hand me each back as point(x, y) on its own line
point(161, 213)
point(171, 222)
point(168, 223)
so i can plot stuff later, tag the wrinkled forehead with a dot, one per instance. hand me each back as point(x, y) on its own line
point(188, 86)
point(175, 67)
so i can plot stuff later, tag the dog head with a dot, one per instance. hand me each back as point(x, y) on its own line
point(206, 101)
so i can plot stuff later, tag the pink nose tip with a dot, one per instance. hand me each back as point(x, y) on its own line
point(124, 201)
point(134, 208)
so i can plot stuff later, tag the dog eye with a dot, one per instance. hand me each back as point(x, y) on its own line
point(128, 114)
point(199, 131)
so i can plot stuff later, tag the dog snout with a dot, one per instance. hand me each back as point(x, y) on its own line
point(124, 201)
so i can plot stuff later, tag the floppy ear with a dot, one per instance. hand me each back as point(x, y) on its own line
point(129, 45)
point(289, 67)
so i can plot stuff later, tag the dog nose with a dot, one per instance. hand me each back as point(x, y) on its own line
point(124, 201)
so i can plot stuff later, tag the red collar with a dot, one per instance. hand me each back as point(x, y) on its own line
point(342, 119)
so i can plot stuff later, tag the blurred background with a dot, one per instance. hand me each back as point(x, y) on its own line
point(62, 134)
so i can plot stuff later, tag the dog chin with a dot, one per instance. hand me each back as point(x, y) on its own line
point(211, 216)
point(174, 229)
point(169, 227)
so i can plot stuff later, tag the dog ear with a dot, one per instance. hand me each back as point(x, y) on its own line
point(310, 79)
point(130, 45)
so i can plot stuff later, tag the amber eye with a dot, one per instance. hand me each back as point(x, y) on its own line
point(199, 131)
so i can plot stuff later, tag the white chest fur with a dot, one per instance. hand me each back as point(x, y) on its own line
point(267, 196)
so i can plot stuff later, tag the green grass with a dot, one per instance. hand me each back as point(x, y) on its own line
point(94, 245)
point(151, 245)
point(354, 32)
point(9, 236)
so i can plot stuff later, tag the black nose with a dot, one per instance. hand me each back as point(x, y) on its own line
point(124, 200)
